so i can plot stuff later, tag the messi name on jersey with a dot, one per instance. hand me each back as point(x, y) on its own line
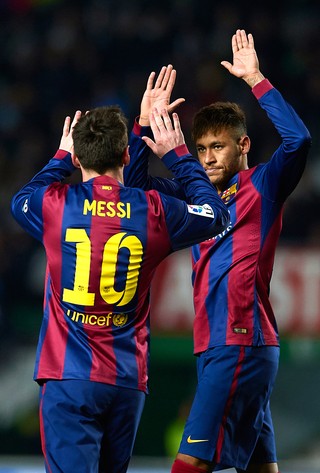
point(103, 208)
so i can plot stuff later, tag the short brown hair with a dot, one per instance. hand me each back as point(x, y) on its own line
point(218, 116)
point(100, 138)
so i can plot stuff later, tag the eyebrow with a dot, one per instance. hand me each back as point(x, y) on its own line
point(212, 143)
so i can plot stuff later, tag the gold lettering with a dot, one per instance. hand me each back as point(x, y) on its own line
point(89, 207)
point(81, 316)
point(101, 208)
point(92, 319)
point(121, 212)
point(107, 209)
point(101, 321)
point(111, 212)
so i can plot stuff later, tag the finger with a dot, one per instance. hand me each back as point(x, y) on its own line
point(171, 80)
point(149, 142)
point(166, 120)
point(175, 104)
point(76, 118)
point(153, 124)
point(238, 39)
point(177, 128)
point(244, 39)
point(158, 118)
point(176, 123)
point(66, 126)
point(151, 80)
point(234, 43)
point(160, 77)
point(250, 41)
point(227, 65)
point(167, 76)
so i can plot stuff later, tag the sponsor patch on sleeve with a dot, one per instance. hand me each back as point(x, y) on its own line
point(25, 206)
point(204, 210)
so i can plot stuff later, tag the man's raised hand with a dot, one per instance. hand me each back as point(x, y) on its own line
point(167, 133)
point(158, 94)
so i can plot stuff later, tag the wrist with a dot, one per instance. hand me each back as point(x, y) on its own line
point(144, 121)
point(254, 79)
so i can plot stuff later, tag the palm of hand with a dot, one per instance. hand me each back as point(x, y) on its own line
point(245, 62)
point(155, 99)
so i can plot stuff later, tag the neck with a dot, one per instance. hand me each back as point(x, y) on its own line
point(116, 174)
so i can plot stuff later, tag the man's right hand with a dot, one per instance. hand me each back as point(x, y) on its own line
point(245, 61)
point(66, 142)
point(158, 95)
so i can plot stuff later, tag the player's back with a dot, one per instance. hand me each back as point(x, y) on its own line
point(103, 242)
point(109, 235)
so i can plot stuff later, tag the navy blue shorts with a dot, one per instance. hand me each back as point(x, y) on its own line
point(230, 422)
point(87, 426)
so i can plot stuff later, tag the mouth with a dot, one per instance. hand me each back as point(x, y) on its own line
point(212, 171)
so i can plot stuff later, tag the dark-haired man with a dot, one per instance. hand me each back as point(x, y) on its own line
point(103, 242)
point(235, 331)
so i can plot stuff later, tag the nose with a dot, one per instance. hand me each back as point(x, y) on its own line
point(209, 156)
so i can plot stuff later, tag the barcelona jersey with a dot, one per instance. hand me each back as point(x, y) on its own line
point(232, 271)
point(103, 242)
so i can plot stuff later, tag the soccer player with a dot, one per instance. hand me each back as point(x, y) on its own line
point(103, 242)
point(235, 332)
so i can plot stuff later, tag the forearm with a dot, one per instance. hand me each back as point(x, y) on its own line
point(194, 182)
point(29, 197)
point(136, 174)
point(57, 169)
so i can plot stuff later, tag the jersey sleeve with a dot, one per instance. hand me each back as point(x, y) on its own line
point(204, 215)
point(26, 205)
point(136, 174)
point(190, 224)
point(278, 178)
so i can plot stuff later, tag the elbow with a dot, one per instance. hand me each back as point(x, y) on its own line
point(304, 140)
point(13, 206)
point(17, 205)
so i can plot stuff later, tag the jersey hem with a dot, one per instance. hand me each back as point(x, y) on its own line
point(203, 348)
point(42, 379)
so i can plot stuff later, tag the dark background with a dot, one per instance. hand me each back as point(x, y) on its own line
point(60, 56)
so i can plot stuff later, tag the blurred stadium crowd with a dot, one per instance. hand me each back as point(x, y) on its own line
point(61, 55)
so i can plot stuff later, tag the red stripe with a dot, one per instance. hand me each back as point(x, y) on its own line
point(54, 344)
point(42, 431)
point(61, 154)
point(181, 150)
point(103, 357)
point(245, 251)
point(154, 254)
point(261, 88)
point(233, 389)
point(267, 319)
point(201, 325)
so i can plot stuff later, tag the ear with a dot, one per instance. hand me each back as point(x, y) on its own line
point(75, 161)
point(245, 144)
point(126, 157)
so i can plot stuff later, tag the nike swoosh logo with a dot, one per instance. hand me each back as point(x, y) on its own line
point(190, 440)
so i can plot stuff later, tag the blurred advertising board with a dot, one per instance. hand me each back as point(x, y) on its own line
point(295, 292)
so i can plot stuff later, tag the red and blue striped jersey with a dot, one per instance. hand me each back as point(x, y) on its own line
point(232, 271)
point(103, 242)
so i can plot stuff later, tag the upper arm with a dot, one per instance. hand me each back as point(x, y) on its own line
point(278, 178)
